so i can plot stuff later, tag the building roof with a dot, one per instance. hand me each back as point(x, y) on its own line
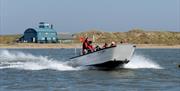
point(30, 30)
point(45, 30)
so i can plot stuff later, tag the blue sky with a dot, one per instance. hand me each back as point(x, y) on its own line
point(82, 15)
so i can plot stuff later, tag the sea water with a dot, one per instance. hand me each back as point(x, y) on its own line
point(47, 70)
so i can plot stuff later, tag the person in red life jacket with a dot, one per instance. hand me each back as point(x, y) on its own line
point(87, 46)
point(105, 45)
point(90, 46)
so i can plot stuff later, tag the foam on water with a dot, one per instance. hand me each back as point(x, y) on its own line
point(139, 61)
point(25, 61)
point(20, 60)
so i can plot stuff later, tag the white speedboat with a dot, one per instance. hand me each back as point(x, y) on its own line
point(110, 57)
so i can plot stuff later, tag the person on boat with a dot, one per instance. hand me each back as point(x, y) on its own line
point(121, 42)
point(113, 44)
point(105, 45)
point(90, 46)
point(97, 48)
point(84, 46)
point(87, 46)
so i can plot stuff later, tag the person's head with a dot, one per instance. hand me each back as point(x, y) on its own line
point(121, 42)
point(113, 43)
point(89, 40)
point(86, 39)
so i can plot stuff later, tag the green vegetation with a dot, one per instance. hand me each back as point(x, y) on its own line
point(136, 36)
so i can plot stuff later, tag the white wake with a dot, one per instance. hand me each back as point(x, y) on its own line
point(20, 60)
point(139, 61)
point(25, 61)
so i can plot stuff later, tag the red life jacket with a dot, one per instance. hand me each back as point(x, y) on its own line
point(91, 48)
point(84, 46)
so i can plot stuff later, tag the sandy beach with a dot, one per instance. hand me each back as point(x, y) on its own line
point(33, 45)
point(76, 45)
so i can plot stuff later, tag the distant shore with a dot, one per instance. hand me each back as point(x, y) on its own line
point(73, 45)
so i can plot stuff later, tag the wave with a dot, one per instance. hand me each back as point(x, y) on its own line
point(139, 61)
point(25, 61)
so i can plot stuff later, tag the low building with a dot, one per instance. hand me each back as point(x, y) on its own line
point(65, 38)
point(43, 34)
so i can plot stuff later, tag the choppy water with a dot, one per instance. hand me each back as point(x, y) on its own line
point(47, 70)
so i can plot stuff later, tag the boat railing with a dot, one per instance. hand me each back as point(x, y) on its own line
point(93, 51)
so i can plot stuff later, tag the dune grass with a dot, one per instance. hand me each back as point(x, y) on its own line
point(9, 39)
point(136, 36)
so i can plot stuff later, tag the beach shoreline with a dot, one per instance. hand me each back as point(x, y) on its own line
point(72, 45)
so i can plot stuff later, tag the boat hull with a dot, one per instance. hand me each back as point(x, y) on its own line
point(109, 57)
point(111, 64)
